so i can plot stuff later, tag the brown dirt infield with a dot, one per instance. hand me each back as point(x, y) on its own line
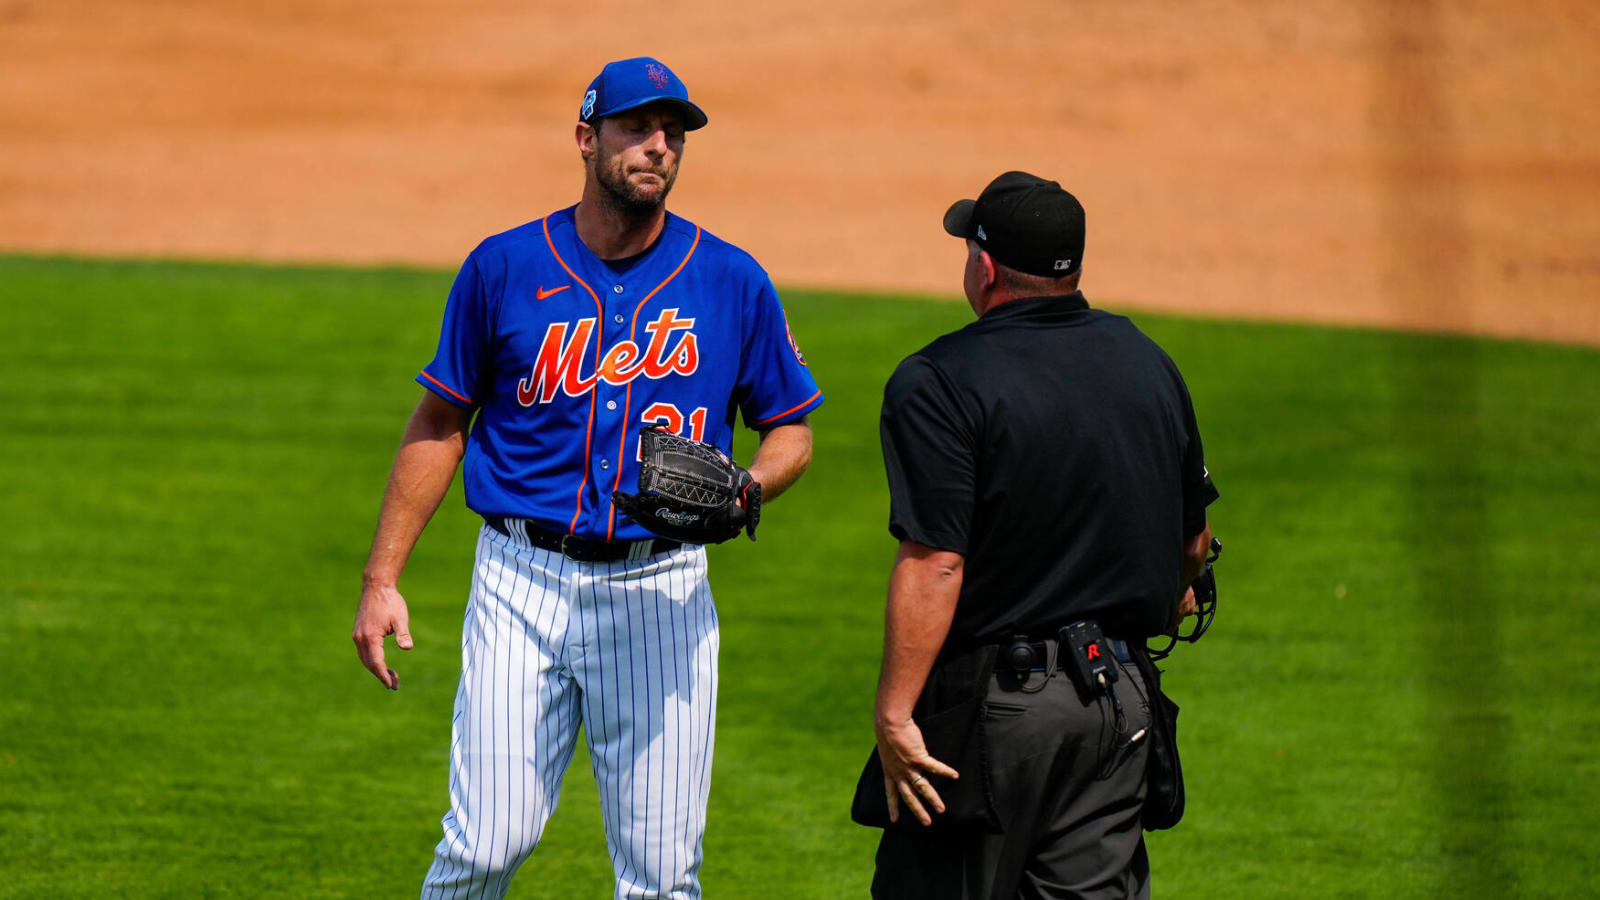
point(1405, 164)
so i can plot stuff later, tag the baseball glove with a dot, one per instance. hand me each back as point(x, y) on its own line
point(690, 491)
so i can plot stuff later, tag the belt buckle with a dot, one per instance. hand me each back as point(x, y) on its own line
point(579, 550)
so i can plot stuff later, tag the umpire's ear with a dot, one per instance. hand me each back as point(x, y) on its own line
point(987, 262)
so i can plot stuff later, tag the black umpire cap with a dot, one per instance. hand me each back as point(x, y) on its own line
point(1025, 222)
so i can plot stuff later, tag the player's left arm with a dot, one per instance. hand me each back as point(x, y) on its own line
point(782, 457)
point(774, 389)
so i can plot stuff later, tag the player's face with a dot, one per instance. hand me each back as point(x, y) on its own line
point(636, 155)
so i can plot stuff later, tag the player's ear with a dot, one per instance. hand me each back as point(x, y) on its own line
point(587, 138)
point(989, 275)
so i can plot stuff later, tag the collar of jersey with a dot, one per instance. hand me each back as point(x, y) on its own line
point(1049, 307)
point(674, 223)
point(623, 265)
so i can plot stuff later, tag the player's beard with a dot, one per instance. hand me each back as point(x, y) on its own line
point(625, 196)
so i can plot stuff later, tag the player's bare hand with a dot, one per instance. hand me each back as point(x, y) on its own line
point(906, 767)
point(1186, 607)
point(382, 613)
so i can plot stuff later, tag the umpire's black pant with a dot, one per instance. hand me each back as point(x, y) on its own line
point(1069, 789)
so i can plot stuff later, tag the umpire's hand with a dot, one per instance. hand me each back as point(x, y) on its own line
point(382, 613)
point(906, 766)
point(1185, 608)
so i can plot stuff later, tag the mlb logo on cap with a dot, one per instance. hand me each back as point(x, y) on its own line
point(629, 83)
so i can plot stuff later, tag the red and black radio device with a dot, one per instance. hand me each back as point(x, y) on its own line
point(1092, 666)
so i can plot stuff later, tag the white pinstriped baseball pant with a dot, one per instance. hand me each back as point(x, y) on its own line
point(629, 649)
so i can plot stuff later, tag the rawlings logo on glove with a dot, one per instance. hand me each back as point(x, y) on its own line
point(677, 518)
point(690, 491)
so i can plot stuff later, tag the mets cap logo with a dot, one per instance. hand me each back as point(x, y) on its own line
point(588, 105)
point(657, 74)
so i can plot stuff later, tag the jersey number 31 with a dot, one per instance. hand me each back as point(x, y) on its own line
point(671, 417)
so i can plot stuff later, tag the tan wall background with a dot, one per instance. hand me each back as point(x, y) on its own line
point(1410, 164)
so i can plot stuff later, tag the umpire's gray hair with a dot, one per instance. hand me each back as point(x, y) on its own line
point(1022, 284)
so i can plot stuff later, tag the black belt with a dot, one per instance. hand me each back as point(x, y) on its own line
point(1041, 652)
point(576, 548)
point(1119, 649)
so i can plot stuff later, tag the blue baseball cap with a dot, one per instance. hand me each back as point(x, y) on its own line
point(628, 83)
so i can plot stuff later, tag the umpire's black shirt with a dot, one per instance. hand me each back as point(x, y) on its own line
point(1055, 447)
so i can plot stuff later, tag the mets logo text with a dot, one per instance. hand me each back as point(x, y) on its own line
point(559, 365)
point(658, 74)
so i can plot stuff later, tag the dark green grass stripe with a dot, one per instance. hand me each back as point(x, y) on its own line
point(1463, 654)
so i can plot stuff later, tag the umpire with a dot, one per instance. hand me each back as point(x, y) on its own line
point(1045, 473)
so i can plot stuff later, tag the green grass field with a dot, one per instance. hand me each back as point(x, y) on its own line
point(1396, 700)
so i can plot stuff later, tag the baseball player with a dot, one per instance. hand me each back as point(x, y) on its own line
point(561, 340)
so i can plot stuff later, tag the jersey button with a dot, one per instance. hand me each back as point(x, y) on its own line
point(616, 288)
point(617, 319)
point(611, 404)
point(605, 463)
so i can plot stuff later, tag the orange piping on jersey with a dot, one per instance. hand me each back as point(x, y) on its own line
point(446, 388)
point(790, 410)
point(593, 392)
point(627, 397)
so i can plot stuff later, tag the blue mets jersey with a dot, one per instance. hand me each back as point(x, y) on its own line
point(565, 356)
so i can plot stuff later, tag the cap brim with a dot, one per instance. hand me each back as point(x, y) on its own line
point(958, 218)
point(693, 116)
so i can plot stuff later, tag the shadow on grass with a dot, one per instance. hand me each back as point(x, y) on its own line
point(1439, 426)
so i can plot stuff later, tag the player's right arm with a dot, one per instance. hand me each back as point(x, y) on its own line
point(430, 452)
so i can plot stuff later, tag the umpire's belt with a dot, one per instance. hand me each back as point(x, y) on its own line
point(580, 549)
point(1041, 652)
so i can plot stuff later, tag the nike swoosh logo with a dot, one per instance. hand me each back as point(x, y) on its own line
point(545, 295)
